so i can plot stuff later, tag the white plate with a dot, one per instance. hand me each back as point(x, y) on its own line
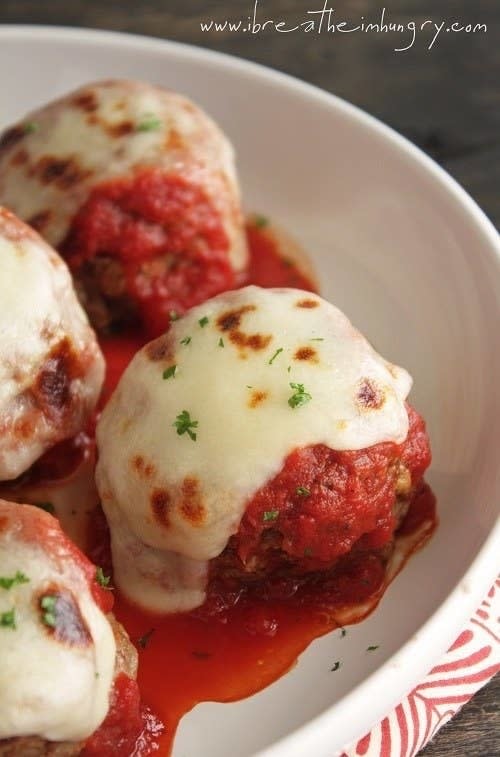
point(416, 265)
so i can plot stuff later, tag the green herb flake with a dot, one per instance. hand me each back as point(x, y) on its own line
point(150, 122)
point(308, 552)
point(8, 619)
point(299, 397)
point(186, 340)
point(185, 425)
point(174, 315)
point(317, 339)
point(101, 579)
point(170, 372)
point(143, 641)
point(372, 647)
point(221, 342)
point(48, 605)
point(30, 127)
point(47, 506)
point(336, 666)
point(302, 491)
point(7, 582)
point(270, 515)
point(203, 321)
point(280, 349)
point(261, 221)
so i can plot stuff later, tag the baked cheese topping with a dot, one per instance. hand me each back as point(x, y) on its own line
point(58, 649)
point(51, 371)
point(206, 415)
point(50, 162)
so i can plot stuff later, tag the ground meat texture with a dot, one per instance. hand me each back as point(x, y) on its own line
point(324, 503)
point(32, 746)
point(144, 247)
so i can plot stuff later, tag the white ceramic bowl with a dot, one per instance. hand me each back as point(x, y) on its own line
point(416, 265)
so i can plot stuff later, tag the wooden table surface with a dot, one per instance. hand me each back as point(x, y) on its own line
point(446, 99)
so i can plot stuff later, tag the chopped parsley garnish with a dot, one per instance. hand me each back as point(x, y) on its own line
point(308, 552)
point(29, 127)
point(48, 605)
point(186, 340)
point(280, 349)
point(372, 647)
point(261, 221)
point(270, 515)
point(336, 666)
point(289, 369)
point(185, 425)
point(101, 579)
point(203, 321)
point(302, 491)
point(174, 315)
point(8, 619)
point(299, 397)
point(170, 372)
point(10, 581)
point(47, 506)
point(144, 640)
point(221, 342)
point(317, 339)
point(343, 632)
point(149, 123)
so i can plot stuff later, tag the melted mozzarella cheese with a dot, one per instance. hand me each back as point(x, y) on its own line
point(259, 373)
point(49, 687)
point(39, 315)
point(109, 129)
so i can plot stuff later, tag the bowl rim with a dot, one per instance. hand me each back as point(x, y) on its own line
point(385, 687)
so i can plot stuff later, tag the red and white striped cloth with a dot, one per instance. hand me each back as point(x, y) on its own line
point(468, 665)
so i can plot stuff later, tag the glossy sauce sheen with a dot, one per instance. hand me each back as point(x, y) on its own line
point(225, 654)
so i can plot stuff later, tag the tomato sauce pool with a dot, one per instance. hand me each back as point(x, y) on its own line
point(202, 656)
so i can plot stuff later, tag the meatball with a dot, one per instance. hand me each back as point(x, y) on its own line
point(262, 424)
point(52, 370)
point(136, 187)
point(65, 653)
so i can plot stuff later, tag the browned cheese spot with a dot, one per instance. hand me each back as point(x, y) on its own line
point(160, 504)
point(19, 158)
point(70, 627)
point(230, 322)
point(306, 353)
point(369, 396)
point(64, 173)
point(86, 101)
point(308, 304)
point(160, 349)
point(174, 141)
point(11, 137)
point(142, 468)
point(51, 390)
point(40, 220)
point(121, 129)
point(257, 398)
point(23, 428)
point(192, 507)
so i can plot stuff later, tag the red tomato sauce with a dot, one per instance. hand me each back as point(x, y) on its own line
point(167, 236)
point(243, 639)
